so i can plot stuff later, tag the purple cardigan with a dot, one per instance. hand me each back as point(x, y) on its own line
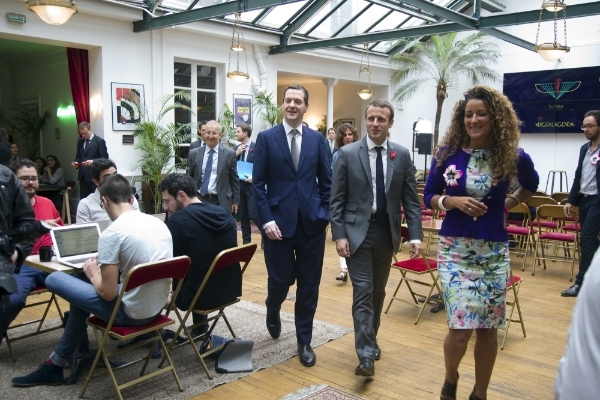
point(490, 226)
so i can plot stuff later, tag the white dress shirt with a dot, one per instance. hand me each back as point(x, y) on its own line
point(212, 184)
point(331, 145)
point(372, 161)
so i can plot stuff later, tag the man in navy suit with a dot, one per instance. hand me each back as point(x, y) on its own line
point(291, 181)
point(89, 148)
point(245, 152)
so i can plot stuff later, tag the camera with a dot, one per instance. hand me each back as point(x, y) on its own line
point(8, 242)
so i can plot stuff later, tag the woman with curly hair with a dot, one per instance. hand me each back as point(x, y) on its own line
point(478, 159)
point(346, 134)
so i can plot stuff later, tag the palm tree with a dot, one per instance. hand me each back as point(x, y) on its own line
point(444, 62)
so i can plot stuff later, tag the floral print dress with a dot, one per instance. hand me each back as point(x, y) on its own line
point(474, 272)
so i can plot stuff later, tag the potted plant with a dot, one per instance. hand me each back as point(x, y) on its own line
point(29, 123)
point(268, 109)
point(226, 120)
point(159, 143)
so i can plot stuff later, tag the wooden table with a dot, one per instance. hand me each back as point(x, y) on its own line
point(66, 207)
point(49, 267)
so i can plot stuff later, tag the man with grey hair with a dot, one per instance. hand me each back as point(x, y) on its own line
point(214, 168)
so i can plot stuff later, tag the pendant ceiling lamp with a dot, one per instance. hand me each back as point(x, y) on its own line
point(555, 50)
point(237, 46)
point(364, 94)
point(53, 12)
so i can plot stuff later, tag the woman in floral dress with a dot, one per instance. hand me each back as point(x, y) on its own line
point(477, 159)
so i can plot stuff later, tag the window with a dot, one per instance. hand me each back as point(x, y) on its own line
point(200, 81)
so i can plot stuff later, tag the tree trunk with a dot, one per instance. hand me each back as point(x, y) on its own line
point(441, 95)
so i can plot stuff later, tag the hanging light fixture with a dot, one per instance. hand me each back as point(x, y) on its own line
point(364, 94)
point(238, 46)
point(53, 12)
point(552, 51)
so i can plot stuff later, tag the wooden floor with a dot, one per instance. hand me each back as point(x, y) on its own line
point(411, 365)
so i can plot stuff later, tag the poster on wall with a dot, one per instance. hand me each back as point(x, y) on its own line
point(127, 103)
point(553, 101)
point(242, 109)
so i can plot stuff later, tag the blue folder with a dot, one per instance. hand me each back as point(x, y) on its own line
point(244, 170)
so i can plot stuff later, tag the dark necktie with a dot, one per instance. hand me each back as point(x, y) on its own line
point(206, 176)
point(295, 149)
point(380, 186)
point(85, 145)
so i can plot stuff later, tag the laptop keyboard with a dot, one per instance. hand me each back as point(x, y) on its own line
point(78, 260)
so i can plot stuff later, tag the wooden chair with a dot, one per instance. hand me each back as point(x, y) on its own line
point(514, 285)
point(66, 207)
point(544, 224)
point(559, 196)
point(37, 291)
point(173, 268)
point(541, 193)
point(421, 267)
point(241, 254)
point(522, 236)
point(570, 241)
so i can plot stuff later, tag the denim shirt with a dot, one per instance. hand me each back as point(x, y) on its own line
point(489, 226)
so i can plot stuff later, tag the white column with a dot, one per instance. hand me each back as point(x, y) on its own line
point(330, 83)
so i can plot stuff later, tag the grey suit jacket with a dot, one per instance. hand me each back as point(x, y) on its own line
point(352, 194)
point(228, 184)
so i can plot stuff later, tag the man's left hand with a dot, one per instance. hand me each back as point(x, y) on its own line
point(88, 163)
point(415, 250)
point(91, 268)
point(234, 208)
point(52, 222)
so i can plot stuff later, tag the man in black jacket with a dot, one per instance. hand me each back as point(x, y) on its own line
point(15, 212)
point(200, 231)
point(89, 148)
point(584, 193)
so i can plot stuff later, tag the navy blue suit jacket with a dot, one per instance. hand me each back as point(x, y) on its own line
point(96, 149)
point(280, 190)
point(250, 156)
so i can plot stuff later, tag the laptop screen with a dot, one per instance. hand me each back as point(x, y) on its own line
point(75, 241)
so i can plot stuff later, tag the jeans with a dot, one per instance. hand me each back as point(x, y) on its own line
point(84, 301)
point(589, 210)
point(27, 279)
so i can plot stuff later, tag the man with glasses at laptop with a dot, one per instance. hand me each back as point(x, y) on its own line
point(123, 245)
point(89, 209)
point(44, 210)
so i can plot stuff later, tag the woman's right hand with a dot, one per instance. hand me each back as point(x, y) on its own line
point(466, 204)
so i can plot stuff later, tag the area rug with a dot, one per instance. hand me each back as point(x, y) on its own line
point(247, 319)
point(322, 392)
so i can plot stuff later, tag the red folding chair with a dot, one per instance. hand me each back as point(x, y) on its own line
point(173, 268)
point(521, 236)
point(514, 285)
point(241, 254)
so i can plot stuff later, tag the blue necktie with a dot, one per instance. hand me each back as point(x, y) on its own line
point(380, 186)
point(207, 171)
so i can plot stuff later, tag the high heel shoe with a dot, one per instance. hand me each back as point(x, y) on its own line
point(449, 390)
point(473, 396)
point(343, 276)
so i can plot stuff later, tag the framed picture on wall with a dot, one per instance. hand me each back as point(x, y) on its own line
point(347, 121)
point(127, 100)
point(242, 109)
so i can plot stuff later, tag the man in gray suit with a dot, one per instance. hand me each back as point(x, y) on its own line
point(214, 168)
point(372, 179)
point(198, 143)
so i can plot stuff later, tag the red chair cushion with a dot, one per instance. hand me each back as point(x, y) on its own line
point(426, 218)
point(129, 330)
point(545, 224)
point(416, 265)
point(571, 227)
point(514, 222)
point(442, 214)
point(38, 289)
point(426, 212)
point(519, 230)
point(563, 237)
point(515, 279)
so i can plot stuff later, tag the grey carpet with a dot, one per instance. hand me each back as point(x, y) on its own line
point(322, 392)
point(247, 319)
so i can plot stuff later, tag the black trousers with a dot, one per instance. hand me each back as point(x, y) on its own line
point(589, 217)
point(86, 188)
point(247, 211)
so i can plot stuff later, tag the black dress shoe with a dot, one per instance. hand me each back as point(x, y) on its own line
point(273, 324)
point(573, 291)
point(306, 355)
point(365, 368)
point(377, 352)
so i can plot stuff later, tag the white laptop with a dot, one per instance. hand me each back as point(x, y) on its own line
point(160, 216)
point(73, 244)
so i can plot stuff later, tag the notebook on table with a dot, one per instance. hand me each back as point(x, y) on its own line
point(74, 244)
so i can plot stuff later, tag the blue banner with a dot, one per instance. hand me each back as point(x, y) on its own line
point(553, 101)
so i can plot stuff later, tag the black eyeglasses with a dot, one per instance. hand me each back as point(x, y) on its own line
point(26, 179)
point(588, 127)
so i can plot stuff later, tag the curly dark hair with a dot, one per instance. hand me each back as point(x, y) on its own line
point(505, 132)
point(339, 136)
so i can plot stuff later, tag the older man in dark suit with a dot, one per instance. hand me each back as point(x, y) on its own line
point(89, 148)
point(214, 169)
point(372, 179)
point(291, 180)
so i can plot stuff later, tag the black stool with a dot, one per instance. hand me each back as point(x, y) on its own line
point(560, 177)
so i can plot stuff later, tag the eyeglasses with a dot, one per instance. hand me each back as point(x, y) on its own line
point(588, 127)
point(26, 179)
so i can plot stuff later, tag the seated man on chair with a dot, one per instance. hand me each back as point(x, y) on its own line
point(89, 209)
point(133, 238)
point(44, 210)
point(200, 231)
